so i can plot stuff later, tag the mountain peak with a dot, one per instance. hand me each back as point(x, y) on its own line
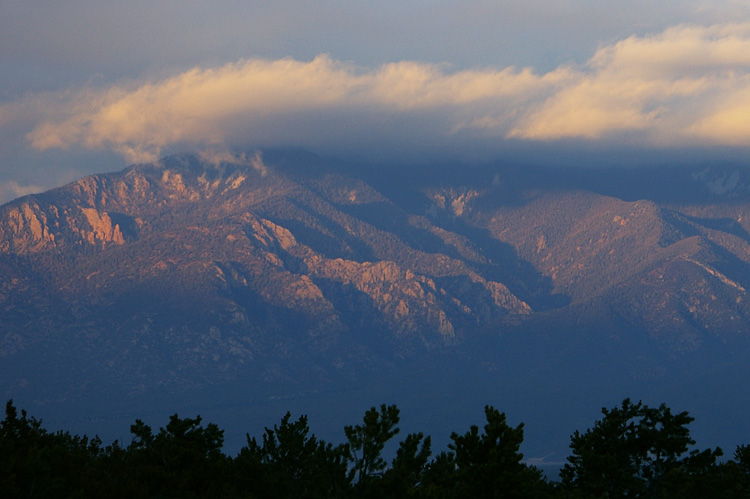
point(273, 259)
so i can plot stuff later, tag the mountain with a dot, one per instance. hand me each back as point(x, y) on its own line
point(294, 279)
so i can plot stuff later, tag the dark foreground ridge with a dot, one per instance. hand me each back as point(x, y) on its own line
point(633, 451)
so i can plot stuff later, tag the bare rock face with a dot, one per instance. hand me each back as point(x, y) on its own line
point(26, 229)
point(33, 228)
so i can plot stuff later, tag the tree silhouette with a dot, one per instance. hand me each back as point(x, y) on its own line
point(183, 460)
point(366, 441)
point(635, 451)
point(632, 451)
point(293, 463)
point(486, 463)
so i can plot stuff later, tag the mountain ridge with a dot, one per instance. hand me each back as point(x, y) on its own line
point(194, 273)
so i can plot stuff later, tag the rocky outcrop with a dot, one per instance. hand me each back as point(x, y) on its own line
point(27, 228)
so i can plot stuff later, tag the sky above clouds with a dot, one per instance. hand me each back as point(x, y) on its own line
point(93, 86)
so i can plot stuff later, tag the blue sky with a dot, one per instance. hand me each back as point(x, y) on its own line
point(93, 86)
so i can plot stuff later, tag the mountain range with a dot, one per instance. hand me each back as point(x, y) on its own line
point(246, 284)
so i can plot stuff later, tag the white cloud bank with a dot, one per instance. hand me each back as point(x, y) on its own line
point(686, 85)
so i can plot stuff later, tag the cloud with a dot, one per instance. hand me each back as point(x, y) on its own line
point(300, 103)
point(12, 189)
point(217, 158)
point(685, 85)
point(729, 120)
point(672, 88)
